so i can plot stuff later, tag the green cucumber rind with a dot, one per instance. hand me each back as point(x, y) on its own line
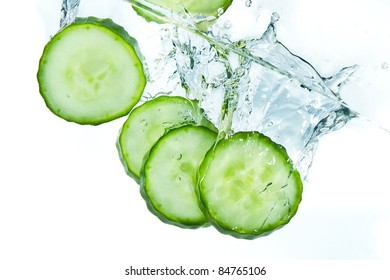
point(117, 29)
point(148, 105)
point(150, 17)
point(122, 33)
point(226, 229)
point(143, 186)
point(123, 160)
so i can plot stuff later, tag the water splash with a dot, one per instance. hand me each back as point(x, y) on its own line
point(252, 84)
point(69, 10)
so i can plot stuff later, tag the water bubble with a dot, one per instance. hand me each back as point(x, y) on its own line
point(248, 3)
point(220, 11)
point(227, 24)
point(177, 156)
point(385, 65)
point(144, 122)
point(248, 99)
point(167, 125)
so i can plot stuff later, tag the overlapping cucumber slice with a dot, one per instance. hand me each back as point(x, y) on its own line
point(149, 121)
point(169, 176)
point(91, 72)
point(248, 186)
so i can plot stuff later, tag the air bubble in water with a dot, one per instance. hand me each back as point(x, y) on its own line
point(177, 156)
point(248, 3)
point(144, 122)
point(227, 24)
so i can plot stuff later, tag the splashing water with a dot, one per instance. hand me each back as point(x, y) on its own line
point(244, 85)
point(69, 10)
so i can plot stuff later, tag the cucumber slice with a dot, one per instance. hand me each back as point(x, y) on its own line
point(148, 122)
point(195, 8)
point(168, 180)
point(248, 186)
point(91, 72)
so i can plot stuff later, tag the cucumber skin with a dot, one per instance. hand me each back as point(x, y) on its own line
point(113, 27)
point(149, 203)
point(149, 17)
point(225, 229)
point(164, 219)
point(203, 122)
point(118, 30)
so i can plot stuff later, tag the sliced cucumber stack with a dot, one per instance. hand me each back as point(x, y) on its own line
point(248, 186)
point(91, 72)
point(245, 185)
point(168, 179)
point(148, 122)
point(196, 8)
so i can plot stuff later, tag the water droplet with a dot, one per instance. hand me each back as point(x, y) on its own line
point(177, 156)
point(385, 65)
point(144, 122)
point(275, 17)
point(220, 11)
point(248, 3)
point(271, 162)
point(227, 24)
point(248, 99)
point(167, 125)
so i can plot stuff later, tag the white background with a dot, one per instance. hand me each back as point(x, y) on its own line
point(69, 211)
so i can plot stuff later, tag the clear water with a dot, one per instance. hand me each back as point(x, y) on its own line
point(69, 10)
point(253, 84)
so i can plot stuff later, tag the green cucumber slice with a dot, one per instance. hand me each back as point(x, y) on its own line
point(91, 72)
point(148, 122)
point(248, 186)
point(168, 180)
point(204, 8)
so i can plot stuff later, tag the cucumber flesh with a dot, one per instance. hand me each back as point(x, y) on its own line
point(91, 72)
point(204, 8)
point(168, 180)
point(148, 122)
point(248, 186)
